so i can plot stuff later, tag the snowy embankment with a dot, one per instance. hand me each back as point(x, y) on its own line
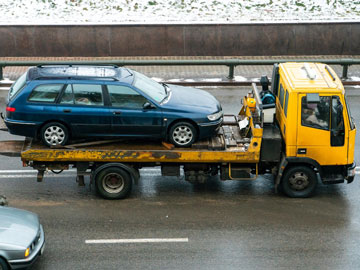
point(175, 11)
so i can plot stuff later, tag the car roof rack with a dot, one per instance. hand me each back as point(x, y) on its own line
point(76, 71)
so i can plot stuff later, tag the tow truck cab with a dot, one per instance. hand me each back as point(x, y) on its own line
point(314, 120)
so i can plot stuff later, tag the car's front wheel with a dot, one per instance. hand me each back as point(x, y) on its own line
point(182, 134)
point(54, 133)
point(3, 264)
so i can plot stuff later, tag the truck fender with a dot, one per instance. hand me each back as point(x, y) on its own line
point(286, 161)
point(133, 173)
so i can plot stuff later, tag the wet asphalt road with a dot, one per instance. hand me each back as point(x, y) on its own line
point(229, 225)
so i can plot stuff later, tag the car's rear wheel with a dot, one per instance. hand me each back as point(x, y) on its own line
point(182, 134)
point(54, 133)
point(3, 265)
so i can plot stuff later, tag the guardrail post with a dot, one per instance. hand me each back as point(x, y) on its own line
point(1, 73)
point(231, 72)
point(345, 72)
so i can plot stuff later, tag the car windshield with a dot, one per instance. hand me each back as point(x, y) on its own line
point(150, 87)
point(17, 86)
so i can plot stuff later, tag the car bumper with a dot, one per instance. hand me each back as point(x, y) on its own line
point(22, 128)
point(39, 249)
point(208, 129)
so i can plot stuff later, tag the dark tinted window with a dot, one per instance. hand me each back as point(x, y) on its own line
point(316, 115)
point(281, 96)
point(45, 93)
point(337, 122)
point(286, 102)
point(125, 97)
point(88, 94)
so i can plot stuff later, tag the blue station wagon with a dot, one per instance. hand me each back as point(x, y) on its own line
point(60, 102)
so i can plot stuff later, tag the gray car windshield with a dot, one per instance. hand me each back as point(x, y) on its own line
point(150, 87)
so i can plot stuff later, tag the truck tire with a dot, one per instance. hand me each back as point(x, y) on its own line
point(113, 183)
point(299, 182)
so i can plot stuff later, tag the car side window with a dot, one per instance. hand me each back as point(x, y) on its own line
point(88, 94)
point(45, 93)
point(125, 97)
point(316, 115)
point(67, 97)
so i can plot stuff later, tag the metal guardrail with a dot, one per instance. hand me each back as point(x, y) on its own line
point(230, 63)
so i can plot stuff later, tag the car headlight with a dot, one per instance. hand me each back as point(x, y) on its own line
point(215, 116)
point(27, 252)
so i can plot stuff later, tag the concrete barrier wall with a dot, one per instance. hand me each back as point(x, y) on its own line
point(342, 38)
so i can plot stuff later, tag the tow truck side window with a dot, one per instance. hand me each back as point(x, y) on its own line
point(281, 96)
point(286, 102)
point(337, 123)
point(316, 115)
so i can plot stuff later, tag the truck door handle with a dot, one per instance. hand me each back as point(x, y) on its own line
point(116, 112)
point(302, 151)
point(66, 110)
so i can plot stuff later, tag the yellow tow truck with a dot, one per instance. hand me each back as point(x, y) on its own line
point(304, 133)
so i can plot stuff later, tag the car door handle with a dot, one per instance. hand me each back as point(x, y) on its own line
point(116, 112)
point(66, 110)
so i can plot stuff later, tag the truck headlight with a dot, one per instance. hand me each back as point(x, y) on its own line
point(215, 116)
point(351, 172)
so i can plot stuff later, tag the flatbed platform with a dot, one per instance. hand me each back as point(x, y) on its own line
point(228, 145)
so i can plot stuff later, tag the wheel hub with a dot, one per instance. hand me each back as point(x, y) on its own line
point(182, 135)
point(113, 183)
point(299, 181)
point(54, 135)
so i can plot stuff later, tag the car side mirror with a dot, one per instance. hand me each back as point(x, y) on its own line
point(148, 106)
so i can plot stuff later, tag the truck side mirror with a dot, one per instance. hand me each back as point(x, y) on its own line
point(264, 81)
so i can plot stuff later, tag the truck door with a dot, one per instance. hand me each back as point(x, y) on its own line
point(321, 131)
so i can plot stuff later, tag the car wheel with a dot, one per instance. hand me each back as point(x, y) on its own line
point(3, 264)
point(182, 134)
point(113, 183)
point(299, 182)
point(54, 134)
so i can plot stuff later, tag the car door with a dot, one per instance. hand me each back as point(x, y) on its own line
point(82, 106)
point(129, 115)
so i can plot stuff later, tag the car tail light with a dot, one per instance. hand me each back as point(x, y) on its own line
point(10, 109)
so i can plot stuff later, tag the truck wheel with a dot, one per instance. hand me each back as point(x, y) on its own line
point(113, 183)
point(182, 134)
point(54, 134)
point(299, 182)
point(3, 264)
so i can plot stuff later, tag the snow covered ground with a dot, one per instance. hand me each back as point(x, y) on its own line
point(175, 11)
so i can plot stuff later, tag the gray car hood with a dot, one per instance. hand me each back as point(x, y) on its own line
point(18, 228)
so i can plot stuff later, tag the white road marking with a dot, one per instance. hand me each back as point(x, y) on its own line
point(72, 172)
point(138, 240)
